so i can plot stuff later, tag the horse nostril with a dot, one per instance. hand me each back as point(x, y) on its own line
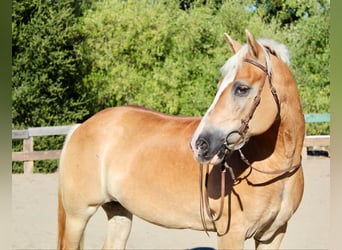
point(202, 145)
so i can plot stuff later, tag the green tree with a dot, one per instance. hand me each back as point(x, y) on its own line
point(288, 11)
point(309, 42)
point(151, 54)
point(157, 55)
point(47, 72)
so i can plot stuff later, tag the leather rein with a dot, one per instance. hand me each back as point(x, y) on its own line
point(204, 197)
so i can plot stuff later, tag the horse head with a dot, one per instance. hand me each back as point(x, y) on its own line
point(246, 103)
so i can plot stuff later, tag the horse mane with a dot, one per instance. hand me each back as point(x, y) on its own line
point(277, 49)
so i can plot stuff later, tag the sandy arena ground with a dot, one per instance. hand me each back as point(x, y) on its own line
point(34, 217)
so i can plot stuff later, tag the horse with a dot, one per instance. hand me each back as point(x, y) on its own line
point(131, 160)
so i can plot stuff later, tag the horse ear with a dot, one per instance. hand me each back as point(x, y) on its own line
point(233, 45)
point(253, 47)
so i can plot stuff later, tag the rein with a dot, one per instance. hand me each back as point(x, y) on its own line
point(280, 171)
point(204, 194)
point(204, 197)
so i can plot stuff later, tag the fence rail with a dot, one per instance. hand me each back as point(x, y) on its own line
point(310, 118)
point(28, 155)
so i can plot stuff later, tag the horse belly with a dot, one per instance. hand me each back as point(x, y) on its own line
point(163, 194)
point(165, 212)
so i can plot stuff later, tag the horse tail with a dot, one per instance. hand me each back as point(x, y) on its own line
point(61, 209)
point(61, 220)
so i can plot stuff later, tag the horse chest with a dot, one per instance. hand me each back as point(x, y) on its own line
point(269, 209)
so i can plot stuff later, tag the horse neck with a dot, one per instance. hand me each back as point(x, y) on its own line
point(281, 145)
point(292, 125)
point(289, 130)
point(290, 138)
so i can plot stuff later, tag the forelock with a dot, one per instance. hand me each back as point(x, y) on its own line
point(275, 48)
point(231, 65)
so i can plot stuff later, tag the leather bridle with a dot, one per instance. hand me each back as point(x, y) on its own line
point(256, 101)
point(229, 148)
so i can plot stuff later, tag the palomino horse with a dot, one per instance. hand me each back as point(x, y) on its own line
point(132, 160)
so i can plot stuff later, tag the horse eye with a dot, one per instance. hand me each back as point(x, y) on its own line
point(241, 90)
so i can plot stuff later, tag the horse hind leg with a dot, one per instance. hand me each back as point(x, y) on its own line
point(75, 225)
point(119, 225)
point(72, 224)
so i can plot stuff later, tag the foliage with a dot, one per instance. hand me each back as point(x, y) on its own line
point(288, 11)
point(73, 58)
point(47, 72)
point(150, 54)
point(156, 55)
point(309, 43)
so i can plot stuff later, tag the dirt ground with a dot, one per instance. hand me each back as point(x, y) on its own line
point(34, 217)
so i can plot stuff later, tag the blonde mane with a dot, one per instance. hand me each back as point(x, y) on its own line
point(275, 48)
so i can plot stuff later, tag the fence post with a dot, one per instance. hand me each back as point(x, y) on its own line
point(28, 147)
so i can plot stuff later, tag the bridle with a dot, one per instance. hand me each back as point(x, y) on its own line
point(230, 148)
point(256, 101)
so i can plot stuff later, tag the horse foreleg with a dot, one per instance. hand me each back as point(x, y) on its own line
point(232, 240)
point(119, 226)
point(274, 242)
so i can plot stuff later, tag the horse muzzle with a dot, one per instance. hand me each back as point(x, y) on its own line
point(208, 148)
